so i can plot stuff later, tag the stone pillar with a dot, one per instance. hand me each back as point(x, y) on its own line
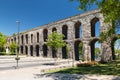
point(71, 31)
point(86, 28)
point(29, 50)
point(86, 51)
point(59, 52)
point(34, 50)
point(49, 49)
point(71, 53)
point(41, 35)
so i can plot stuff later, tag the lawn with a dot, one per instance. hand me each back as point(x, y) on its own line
point(100, 69)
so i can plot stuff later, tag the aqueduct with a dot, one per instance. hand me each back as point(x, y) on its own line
point(77, 29)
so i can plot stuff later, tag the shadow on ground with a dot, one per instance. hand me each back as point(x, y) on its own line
point(63, 76)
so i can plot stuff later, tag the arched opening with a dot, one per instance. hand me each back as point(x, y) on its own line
point(26, 50)
point(22, 39)
point(78, 50)
point(95, 27)
point(37, 50)
point(78, 30)
point(11, 40)
point(14, 39)
point(31, 50)
point(65, 31)
point(31, 38)
point(54, 29)
point(95, 50)
point(54, 54)
point(45, 34)
point(117, 26)
point(37, 37)
point(64, 52)
point(21, 49)
point(26, 37)
point(115, 48)
point(45, 50)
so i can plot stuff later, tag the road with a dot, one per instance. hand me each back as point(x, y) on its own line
point(31, 68)
point(9, 62)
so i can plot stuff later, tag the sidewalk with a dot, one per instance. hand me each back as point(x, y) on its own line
point(36, 72)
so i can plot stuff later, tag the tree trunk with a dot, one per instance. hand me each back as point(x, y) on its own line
point(106, 55)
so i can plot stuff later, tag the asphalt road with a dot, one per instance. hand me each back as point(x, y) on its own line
point(9, 62)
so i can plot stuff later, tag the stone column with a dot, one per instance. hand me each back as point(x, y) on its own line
point(49, 49)
point(86, 51)
point(71, 31)
point(34, 51)
point(59, 52)
point(28, 50)
point(86, 28)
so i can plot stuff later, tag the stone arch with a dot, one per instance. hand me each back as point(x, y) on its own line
point(95, 27)
point(64, 52)
point(26, 50)
point(78, 30)
point(31, 50)
point(54, 29)
point(65, 31)
point(11, 40)
point(21, 49)
point(77, 50)
point(92, 45)
point(45, 34)
point(37, 37)
point(22, 39)
point(37, 50)
point(31, 38)
point(45, 50)
point(113, 47)
point(26, 38)
point(14, 39)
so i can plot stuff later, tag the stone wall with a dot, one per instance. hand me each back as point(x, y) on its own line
point(71, 28)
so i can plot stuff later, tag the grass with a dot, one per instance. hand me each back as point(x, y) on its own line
point(112, 68)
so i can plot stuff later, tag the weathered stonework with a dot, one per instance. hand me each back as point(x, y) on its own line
point(69, 26)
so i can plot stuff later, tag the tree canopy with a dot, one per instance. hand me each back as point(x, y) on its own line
point(13, 47)
point(55, 40)
point(2, 41)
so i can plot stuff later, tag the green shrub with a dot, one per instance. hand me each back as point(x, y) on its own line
point(12, 54)
point(87, 64)
point(2, 53)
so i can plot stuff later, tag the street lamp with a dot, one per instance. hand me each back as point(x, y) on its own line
point(17, 55)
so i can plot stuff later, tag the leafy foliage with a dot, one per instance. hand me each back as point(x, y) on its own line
point(2, 41)
point(97, 51)
point(55, 41)
point(80, 48)
point(13, 47)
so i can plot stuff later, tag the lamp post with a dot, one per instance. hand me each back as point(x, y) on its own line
point(17, 55)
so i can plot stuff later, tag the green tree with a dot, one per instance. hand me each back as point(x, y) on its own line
point(2, 41)
point(97, 51)
point(111, 11)
point(13, 47)
point(55, 41)
point(80, 51)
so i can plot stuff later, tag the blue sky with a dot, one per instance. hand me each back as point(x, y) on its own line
point(33, 13)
